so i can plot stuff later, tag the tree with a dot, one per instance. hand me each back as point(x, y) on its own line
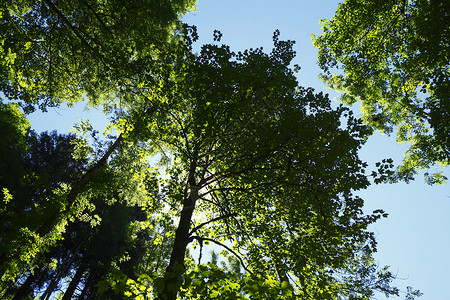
point(55, 51)
point(259, 163)
point(109, 233)
point(13, 129)
point(392, 56)
point(46, 162)
point(47, 217)
point(59, 51)
point(250, 161)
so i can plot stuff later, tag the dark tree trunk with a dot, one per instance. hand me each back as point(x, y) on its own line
point(25, 289)
point(176, 267)
point(85, 291)
point(50, 288)
point(74, 282)
point(61, 272)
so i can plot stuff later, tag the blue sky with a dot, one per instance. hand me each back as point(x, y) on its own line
point(414, 239)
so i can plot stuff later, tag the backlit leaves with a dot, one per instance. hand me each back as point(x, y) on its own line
point(393, 57)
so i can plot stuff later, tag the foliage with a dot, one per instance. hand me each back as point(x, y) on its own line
point(34, 170)
point(47, 167)
point(13, 128)
point(106, 232)
point(259, 164)
point(392, 56)
point(249, 161)
point(55, 51)
point(211, 282)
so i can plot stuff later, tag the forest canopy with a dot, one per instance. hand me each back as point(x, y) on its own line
point(204, 148)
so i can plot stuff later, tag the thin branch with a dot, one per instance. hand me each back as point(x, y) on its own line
point(256, 186)
point(183, 131)
point(98, 17)
point(226, 202)
point(217, 201)
point(209, 201)
point(201, 250)
point(213, 220)
point(223, 245)
point(252, 167)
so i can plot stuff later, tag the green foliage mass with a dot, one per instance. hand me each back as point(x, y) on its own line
point(13, 128)
point(263, 164)
point(58, 51)
point(106, 232)
point(393, 57)
point(249, 161)
point(46, 167)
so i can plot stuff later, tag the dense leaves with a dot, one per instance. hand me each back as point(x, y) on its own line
point(13, 129)
point(393, 56)
point(262, 167)
point(109, 231)
point(55, 51)
point(213, 148)
point(46, 166)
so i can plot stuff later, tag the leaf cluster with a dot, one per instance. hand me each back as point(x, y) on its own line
point(392, 56)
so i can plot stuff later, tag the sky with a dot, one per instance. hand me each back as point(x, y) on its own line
point(415, 239)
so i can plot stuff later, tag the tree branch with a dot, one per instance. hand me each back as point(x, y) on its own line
point(213, 220)
point(74, 29)
point(201, 239)
point(79, 187)
point(256, 186)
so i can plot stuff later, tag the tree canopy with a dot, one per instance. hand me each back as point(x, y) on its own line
point(393, 57)
point(215, 148)
point(244, 144)
point(59, 51)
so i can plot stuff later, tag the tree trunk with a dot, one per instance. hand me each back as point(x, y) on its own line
point(25, 289)
point(74, 282)
point(50, 288)
point(176, 267)
point(84, 292)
